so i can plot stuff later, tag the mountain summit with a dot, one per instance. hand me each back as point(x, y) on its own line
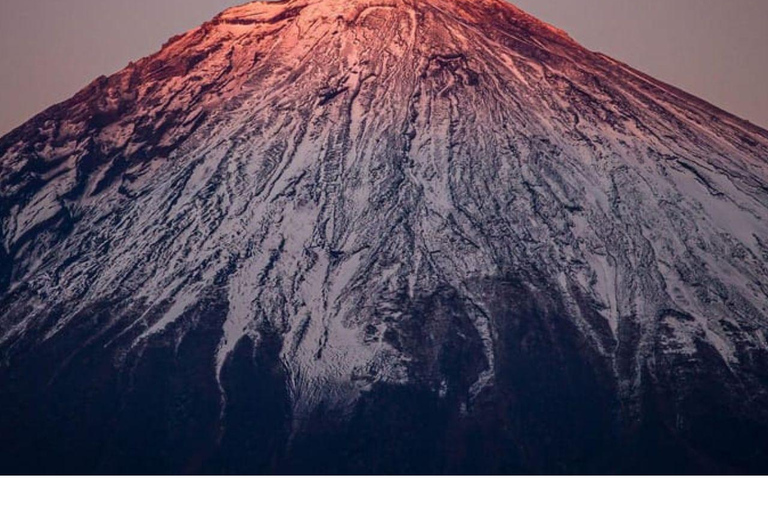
point(383, 236)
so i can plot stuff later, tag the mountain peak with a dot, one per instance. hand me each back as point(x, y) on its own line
point(383, 236)
point(472, 10)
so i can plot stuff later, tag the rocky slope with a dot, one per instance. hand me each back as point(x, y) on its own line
point(383, 236)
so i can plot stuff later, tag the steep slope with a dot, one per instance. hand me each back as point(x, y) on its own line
point(398, 236)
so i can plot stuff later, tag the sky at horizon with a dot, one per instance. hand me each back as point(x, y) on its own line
point(715, 49)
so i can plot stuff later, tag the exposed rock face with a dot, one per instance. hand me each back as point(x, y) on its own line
point(391, 236)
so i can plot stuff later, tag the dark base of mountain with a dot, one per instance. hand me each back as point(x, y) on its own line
point(69, 408)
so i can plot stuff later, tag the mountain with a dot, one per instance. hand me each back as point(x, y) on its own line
point(383, 236)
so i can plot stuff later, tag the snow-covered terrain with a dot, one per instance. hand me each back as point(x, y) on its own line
point(383, 236)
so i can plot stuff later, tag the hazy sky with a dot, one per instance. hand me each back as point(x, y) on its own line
point(716, 49)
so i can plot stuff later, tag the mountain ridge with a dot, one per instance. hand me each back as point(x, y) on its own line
point(217, 19)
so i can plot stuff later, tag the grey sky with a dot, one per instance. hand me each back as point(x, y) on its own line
point(716, 49)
